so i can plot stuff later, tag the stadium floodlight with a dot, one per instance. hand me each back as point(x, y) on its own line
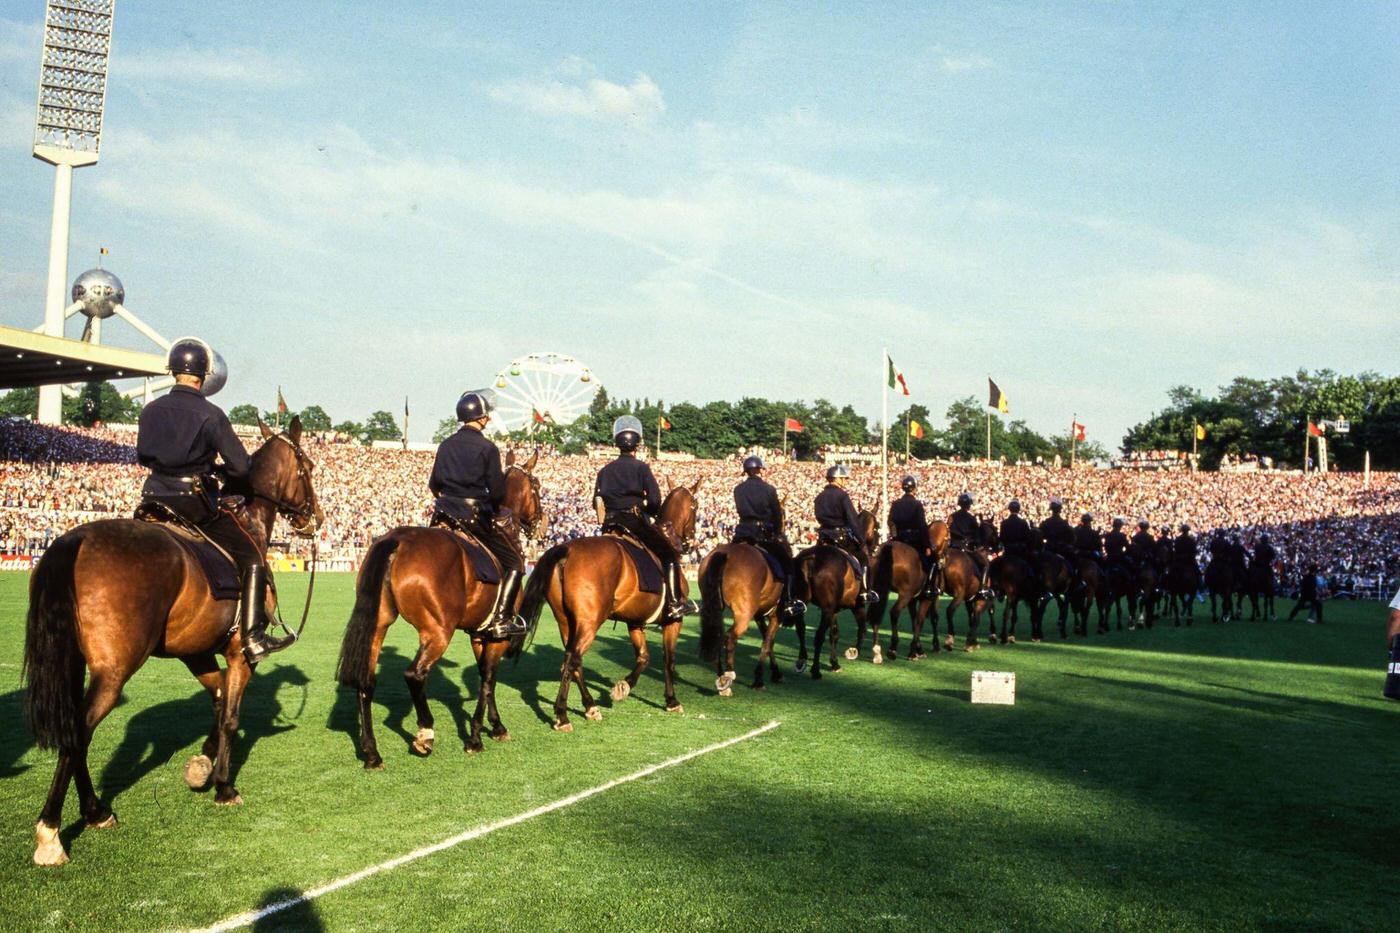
point(67, 134)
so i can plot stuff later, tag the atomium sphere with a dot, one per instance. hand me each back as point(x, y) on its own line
point(217, 378)
point(99, 292)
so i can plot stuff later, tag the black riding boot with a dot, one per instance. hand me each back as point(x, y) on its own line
point(868, 594)
point(252, 618)
point(676, 607)
point(791, 608)
point(505, 623)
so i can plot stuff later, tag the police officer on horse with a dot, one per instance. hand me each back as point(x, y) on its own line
point(1087, 543)
point(1059, 537)
point(178, 438)
point(1015, 532)
point(630, 500)
point(1142, 549)
point(1115, 546)
point(909, 523)
point(964, 534)
point(839, 525)
point(761, 524)
point(470, 485)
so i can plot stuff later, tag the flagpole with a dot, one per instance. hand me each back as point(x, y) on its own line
point(884, 433)
point(908, 427)
point(1195, 436)
point(405, 422)
point(1073, 435)
point(989, 437)
point(785, 421)
point(658, 437)
point(1307, 438)
point(277, 419)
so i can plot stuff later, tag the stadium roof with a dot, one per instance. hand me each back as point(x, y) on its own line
point(30, 359)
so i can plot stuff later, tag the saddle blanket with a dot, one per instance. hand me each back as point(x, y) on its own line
point(219, 571)
point(648, 567)
point(774, 565)
point(483, 565)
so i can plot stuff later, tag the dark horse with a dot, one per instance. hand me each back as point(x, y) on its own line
point(1091, 591)
point(1016, 580)
point(590, 580)
point(899, 569)
point(1055, 582)
point(738, 576)
point(423, 575)
point(828, 579)
point(1142, 593)
point(1259, 584)
point(1183, 583)
point(111, 594)
point(959, 577)
point(1220, 582)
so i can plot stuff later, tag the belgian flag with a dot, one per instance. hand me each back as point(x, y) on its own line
point(997, 398)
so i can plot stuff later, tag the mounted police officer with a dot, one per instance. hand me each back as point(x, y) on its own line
point(1143, 547)
point(839, 525)
point(1087, 542)
point(179, 436)
point(1059, 536)
point(1115, 546)
point(761, 524)
point(965, 533)
point(909, 523)
point(1184, 549)
point(470, 485)
point(630, 500)
point(1264, 554)
point(1015, 532)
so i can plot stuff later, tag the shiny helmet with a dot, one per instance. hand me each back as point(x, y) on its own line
point(838, 471)
point(190, 356)
point(1263, 539)
point(627, 432)
point(908, 484)
point(1144, 525)
point(1055, 506)
point(1118, 523)
point(1185, 528)
point(1087, 518)
point(1014, 506)
point(217, 378)
point(964, 499)
point(475, 404)
point(753, 463)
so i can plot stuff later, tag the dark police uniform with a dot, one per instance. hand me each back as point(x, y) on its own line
point(761, 519)
point(1143, 548)
point(178, 437)
point(631, 499)
point(469, 486)
point(910, 525)
point(1087, 543)
point(963, 527)
point(837, 518)
point(1115, 548)
point(1265, 554)
point(1184, 551)
point(1059, 536)
point(1015, 536)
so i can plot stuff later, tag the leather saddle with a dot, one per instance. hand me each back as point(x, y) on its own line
point(483, 562)
point(220, 571)
point(647, 564)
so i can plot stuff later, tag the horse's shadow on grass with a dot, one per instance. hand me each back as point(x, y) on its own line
point(16, 738)
point(1273, 704)
point(391, 695)
point(299, 914)
point(156, 734)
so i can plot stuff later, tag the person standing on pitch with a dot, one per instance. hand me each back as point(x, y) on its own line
point(909, 523)
point(177, 439)
point(761, 524)
point(469, 486)
point(630, 499)
point(1392, 635)
point(1308, 596)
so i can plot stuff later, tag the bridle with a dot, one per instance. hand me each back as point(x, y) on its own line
point(533, 524)
point(303, 518)
point(686, 542)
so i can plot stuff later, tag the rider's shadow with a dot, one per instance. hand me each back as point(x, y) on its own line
point(156, 734)
point(392, 705)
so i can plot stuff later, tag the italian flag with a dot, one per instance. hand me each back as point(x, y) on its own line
point(895, 377)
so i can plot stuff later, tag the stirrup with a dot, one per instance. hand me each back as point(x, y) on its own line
point(505, 625)
point(796, 609)
point(258, 644)
point(870, 597)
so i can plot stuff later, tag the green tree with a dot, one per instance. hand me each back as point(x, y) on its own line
point(243, 414)
point(381, 426)
point(99, 401)
point(445, 429)
point(20, 403)
point(351, 428)
point(314, 418)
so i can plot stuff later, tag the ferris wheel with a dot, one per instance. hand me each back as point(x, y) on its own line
point(542, 389)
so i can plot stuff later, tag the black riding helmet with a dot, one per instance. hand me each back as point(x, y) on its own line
point(908, 484)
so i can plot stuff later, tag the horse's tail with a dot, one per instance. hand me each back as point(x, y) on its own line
point(712, 606)
point(884, 581)
point(353, 669)
point(537, 589)
point(53, 659)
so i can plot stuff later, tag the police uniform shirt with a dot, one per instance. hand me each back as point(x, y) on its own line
point(1015, 533)
point(1143, 545)
point(834, 510)
point(180, 434)
point(1086, 540)
point(1264, 553)
point(1185, 548)
point(962, 526)
point(627, 483)
point(468, 466)
point(1056, 530)
point(908, 520)
point(1115, 544)
point(757, 502)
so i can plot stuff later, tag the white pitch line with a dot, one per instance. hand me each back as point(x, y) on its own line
point(253, 916)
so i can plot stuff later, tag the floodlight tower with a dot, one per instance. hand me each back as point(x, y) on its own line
point(67, 134)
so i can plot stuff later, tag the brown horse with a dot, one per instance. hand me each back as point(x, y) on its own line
point(423, 575)
point(960, 578)
point(826, 578)
point(899, 568)
point(738, 576)
point(111, 594)
point(1142, 594)
point(590, 580)
point(1092, 591)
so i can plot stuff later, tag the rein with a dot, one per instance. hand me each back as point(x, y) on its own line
point(306, 513)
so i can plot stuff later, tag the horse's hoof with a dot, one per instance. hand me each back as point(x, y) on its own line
point(474, 749)
point(834, 668)
point(876, 657)
point(423, 741)
point(197, 772)
point(675, 709)
point(48, 850)
point(852, 654)
point(621, 691)
point(723, 682)
point(501, 735)
point(107, 822)
point(235, 801)
point(374, 764)
point(970, 648)
point(726, 692)
point(563, 727)
point(594, 713)
point(1009, 640)
point(800, 666)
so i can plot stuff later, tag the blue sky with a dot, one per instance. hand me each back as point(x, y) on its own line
point(1091, 202)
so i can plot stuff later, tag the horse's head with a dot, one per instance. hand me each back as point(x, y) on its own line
point(991, 538)
point(523, 495)
point(281, 476)
point(869, 528)
point(677, 515)
point(938, 536)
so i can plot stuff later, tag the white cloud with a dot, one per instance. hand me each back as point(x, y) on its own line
point(236, 65)
point(574, 89)
point(953, 64)
point(20, 42)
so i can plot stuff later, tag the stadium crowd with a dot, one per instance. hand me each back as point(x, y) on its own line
point(52, 479)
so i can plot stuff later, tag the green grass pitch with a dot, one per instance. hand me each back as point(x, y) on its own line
point(1238, 776)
